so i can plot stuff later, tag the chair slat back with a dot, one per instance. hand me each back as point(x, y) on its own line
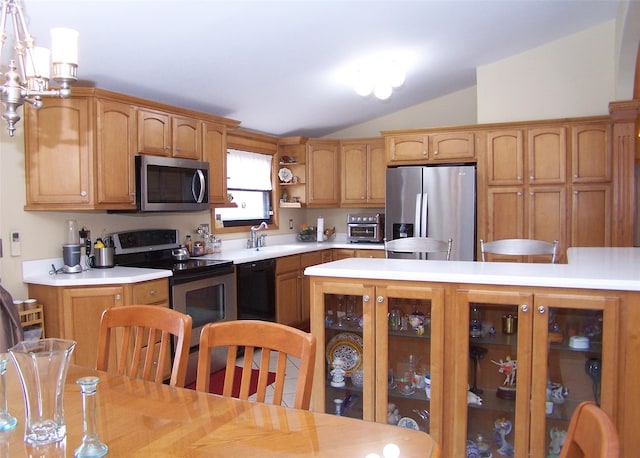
point(591, 434)
point(520, 247)
point(418, 245)
point(274, 341)
point(143, 327)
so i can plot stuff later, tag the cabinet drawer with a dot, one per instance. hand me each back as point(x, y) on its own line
point(151, 292)
point(287, 264)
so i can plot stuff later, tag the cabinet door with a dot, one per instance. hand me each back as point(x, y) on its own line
point(376, 173)
point(154, 132)
point(547, 217)
point(309, 259)
point(323, 179)
point(82, 309)
point(288, 290)
point(354, 173)
point(493, 392)
point(505, 158)
point(115, 154)
point(505, 213)
point(574, 360)
point(343, 341)
point(410, 356)
point(590, 153)
point(214, 151)
point(453, 146)
point(407, 148)
point(186, 135)
point(591, 215)
point(547, 155)
point(343, 253)
point(58, 144)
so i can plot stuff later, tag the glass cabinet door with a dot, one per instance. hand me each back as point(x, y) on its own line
point(345, 356)
point(409, 357)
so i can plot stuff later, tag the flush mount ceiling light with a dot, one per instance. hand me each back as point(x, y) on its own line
point(29, 80)
point(379, 77)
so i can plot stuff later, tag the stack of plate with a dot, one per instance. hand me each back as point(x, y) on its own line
point(579, 342)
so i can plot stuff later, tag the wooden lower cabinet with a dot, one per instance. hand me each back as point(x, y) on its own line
point(344, 253)
point(531, 326)
point(74, 312)
point(292, 287)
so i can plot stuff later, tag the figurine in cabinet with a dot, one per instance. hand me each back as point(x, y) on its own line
point(557, 441)
point(508, 367)
point(337, 373)
point(502, 428)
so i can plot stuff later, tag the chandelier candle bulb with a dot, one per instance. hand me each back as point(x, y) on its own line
point(64, 45)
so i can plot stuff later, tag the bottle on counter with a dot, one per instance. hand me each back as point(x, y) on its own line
point(188, 243)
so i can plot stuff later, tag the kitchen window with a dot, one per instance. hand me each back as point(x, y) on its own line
point(249, 182)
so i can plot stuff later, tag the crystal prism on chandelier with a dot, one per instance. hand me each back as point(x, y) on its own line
point(28, 79)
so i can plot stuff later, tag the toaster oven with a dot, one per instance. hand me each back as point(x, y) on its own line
point(365, 227)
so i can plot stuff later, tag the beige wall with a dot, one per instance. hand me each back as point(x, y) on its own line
point(573, 76)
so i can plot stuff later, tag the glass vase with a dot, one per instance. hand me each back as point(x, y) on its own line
point(91, 445)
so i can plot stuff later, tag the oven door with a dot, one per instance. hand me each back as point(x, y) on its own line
point(363, 232)
point(207, 299)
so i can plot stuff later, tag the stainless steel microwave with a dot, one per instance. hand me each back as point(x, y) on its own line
point(165, 184)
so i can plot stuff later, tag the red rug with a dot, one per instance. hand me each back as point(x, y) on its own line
point(216, 382)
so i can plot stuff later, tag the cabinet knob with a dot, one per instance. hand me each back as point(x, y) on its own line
point(531, 177)
point(435, 153)
point(380, 299)
point(153, 292)
point(83, 193)
point(167, 147)
point(576, 176)
point(531, 193)
point(177, 149)
point(518, 178)
point(424, 153)
point(524, 308)
point(541, 309)
point(365, 298)
point(575, 193)
point(118, 297)
point(519, 193)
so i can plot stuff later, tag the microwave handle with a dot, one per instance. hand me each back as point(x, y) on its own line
point(200, 175)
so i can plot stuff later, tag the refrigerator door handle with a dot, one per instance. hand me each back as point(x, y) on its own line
point(417, 227)
point(423, 216)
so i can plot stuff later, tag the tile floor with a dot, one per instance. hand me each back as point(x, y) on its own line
point(290, 379)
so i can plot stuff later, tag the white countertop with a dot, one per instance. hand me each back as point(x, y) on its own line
point(39, 271)
point(591, 268)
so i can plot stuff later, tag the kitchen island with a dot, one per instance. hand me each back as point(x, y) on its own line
point(596, 294)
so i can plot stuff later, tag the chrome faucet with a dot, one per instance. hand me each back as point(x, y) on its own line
point(253, 240)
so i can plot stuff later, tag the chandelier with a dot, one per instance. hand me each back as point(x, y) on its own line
point(28, 80)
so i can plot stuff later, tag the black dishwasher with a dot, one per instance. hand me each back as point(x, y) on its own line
point(256, 291)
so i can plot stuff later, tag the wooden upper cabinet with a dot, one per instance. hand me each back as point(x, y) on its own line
point(449, 146)
point(547, 155)
point(505, 157)
point(591, 153)
point(408, 148)
point(187, 138)
point(323, 177)
point(363, 173)
point(115, 154)
point(154, 132)
point(164, 134)
point(214, 151)
point(58, 144)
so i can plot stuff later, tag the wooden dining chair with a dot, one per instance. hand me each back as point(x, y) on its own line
point(268, 337)
point(418, 245)
point(139, 327)
point(520, 247)
point(591, 434)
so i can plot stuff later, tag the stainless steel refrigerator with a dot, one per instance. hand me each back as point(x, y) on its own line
point(433, 201)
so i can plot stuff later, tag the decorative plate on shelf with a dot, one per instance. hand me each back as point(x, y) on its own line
point(409, 423)
point(285, 175)
point(348, 347)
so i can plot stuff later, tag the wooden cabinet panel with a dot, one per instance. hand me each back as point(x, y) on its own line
point(505, 158)
point(505, 213)
point(591, 153)
point(364, 169)
point(591, 215)
point(154, 132)
point(377, 173)
point(288, 298)
point(214, 151)
point(115, 154)
point(547, 217)
point(323, 178)
point(547, 155)
point(186, 138)
point(369, 254)
point(407, 148)
point(452, 146)
point(58, 144)
point(151, 292)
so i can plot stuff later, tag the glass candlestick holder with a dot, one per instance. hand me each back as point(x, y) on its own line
point(7, 421)
point(91, 445)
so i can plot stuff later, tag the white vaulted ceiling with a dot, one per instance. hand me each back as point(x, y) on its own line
point(278, 66)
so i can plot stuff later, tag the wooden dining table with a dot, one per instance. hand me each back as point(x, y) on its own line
point(136, 418)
